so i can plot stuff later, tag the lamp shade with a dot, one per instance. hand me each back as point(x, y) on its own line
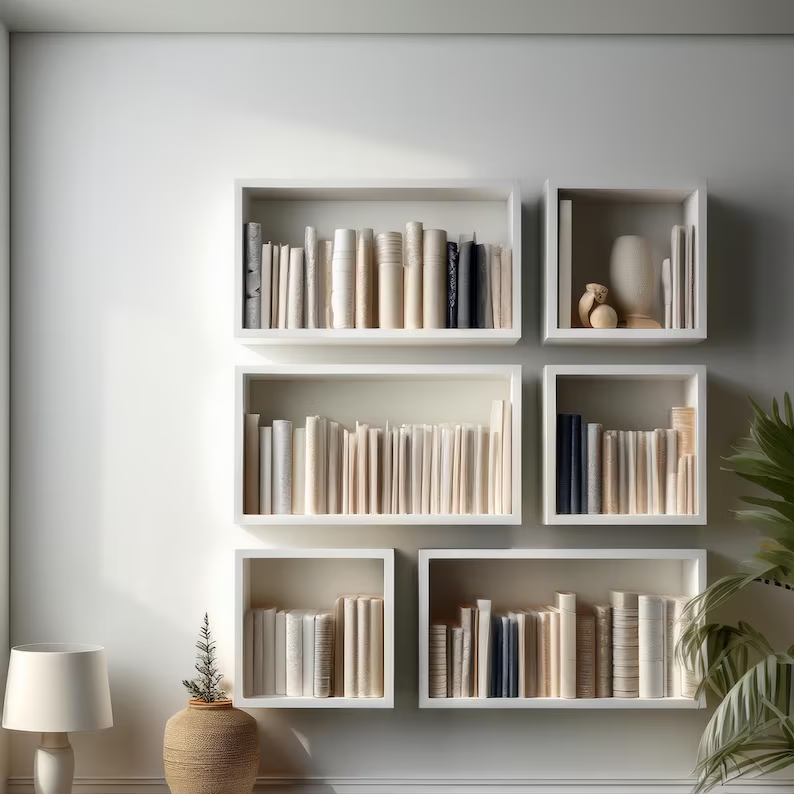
point(57, 688)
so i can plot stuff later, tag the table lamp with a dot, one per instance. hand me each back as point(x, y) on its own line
point(52, 689)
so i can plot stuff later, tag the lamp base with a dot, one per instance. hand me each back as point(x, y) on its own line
point(53, 765)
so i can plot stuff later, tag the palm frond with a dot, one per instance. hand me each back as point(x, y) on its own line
point(752, 727)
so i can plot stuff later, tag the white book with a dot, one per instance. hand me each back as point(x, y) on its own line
point(427, 444)
point(267, 266)
point(362, 469)
point(294, 647)
point(677, 266)
point(376, 648)
point(554, 652)
point(484, 647)
point(507, 288)
point(631, 462)
point(334, 488)
point(457, 661)
point(395, 471)
point(363, 660)
point(566, 604)
point(456, 441)
point(565, 263)
point(481, 471)
point(447, 454)
point(269, 654)
point(507, 457)
point(298, 471)
point(274, 286)
point(386, 461)
point(467, 625)
point(495, 459)
point(323, 654)
point(623, 473)
point(281, 652)
point(339, 647)
point(373, 460)
point(283, 282)
point(435, 471)
point(265, 470)
point(350, 647)
point(345, 490)
point(307, 651)
point(671, 471)
point(417, 455)
point(248, 662)
point(466, 461)
point(259, 652)
point(403, 476)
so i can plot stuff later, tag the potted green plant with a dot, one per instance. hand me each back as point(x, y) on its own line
point(752, 729)
point(210, 747)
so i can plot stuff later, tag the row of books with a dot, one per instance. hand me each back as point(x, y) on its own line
point(324, 468)
point(624, 648)
point(315, 653)
point(678, 279)
point(629, 472)
point(359, 280)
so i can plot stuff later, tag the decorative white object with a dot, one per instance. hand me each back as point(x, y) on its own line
point(302, 577)
point(649, 207)
point(632, 280)
point(595, 295)
point(521, 576)
point(56, 689)
point(283, 207)
point(599, 391)
point(382, 392)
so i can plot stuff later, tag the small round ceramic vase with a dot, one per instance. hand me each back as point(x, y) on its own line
point(632, 281)
point(211, 748)
point(593, 310)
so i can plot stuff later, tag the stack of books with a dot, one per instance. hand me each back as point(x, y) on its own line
point(623, 648)
point(324, 468)
point(626, 472)
point(362, 280)
point(314, 652)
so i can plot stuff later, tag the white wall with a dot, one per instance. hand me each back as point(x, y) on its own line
point(124, 152)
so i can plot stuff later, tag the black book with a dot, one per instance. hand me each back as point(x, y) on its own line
point(564, 448)
point(466, 283)
point(496, 657)
point(452, 285)
point(576, 464)
point(514, 658)
point(482, 286)
point(583, 469)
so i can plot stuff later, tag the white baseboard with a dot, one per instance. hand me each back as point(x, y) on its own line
point(373, 785)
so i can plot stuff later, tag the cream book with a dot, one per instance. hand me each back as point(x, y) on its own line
point(566, 604)
point(427, 451)
point(456, 633)
point(507, 457)
point(386, 476)
point(298, 470)
point(456, 442)
point(543, 653)
point(248, 662)
point(495, 459)
point(283, 282)
point(395, 471)
point(334, 482)
point(465, 617)
point(417, 453)
point(363, 660)
point(307, 652)
point(373, 457)
point(484, 647)
point(259, 652)
point(323, 654)
point(265, 470)
point(269, 654)
point(345, 478)
point(435, 471)
point(362, 469)
point(376, 648)
point(339, 648)
point(554, 651)
point(294, 635)
point(281, 652)
point(350, 647)
point(447, 454)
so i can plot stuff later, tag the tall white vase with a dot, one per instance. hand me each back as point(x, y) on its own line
point(631, 281)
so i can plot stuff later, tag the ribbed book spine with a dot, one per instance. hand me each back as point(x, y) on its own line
point(594, 444)
point(603, 650)
point(585, 656)
point(437, 675)
point(323, 654)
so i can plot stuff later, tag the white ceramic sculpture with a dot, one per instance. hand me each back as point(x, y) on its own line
point(593, 311)
point(632, 281)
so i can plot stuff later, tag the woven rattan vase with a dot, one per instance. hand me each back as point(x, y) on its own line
point(211, 748)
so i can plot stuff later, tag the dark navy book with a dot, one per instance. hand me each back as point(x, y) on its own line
point(514, 658)
point(576, 464)
point(496, 657)
point(506, 656)
point(564, 449)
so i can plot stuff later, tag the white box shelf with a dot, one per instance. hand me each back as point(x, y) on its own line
point(622, 397)
point(312, 579)
point(602, 212)
point(375, 394)
point(516, 578)
point(490, 208)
